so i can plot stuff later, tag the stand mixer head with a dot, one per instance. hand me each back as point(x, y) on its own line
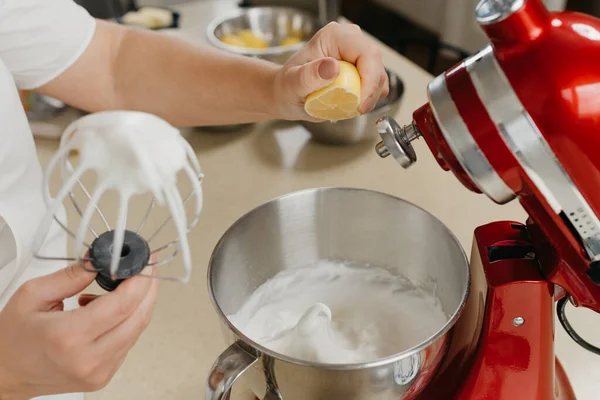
point(131, 153)
point(520, 119)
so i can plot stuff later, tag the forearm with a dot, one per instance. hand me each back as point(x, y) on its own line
point(190, 85)
point(125, 69)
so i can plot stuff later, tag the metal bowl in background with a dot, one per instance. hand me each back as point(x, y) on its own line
point(272, 24)
point(355, 130)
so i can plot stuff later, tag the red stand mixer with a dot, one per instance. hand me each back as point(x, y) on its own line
point(519, 120)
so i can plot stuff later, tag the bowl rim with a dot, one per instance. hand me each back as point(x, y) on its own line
point(270, 51)
point(440, 334)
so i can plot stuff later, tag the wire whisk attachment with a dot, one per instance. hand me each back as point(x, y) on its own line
point(131, 154)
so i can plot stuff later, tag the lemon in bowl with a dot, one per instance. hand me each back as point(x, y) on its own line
point(270, 33)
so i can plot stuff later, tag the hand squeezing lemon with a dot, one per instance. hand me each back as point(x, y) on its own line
point(340, 99)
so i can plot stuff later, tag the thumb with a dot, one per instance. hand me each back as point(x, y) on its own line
point(62, 284)
point(315, 75)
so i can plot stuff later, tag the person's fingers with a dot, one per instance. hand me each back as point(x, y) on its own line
point(386, 85)
point(371, 82)
point(113, 361)
point(86, 299)
point(122, 338)
point(310, 77)
point(44, 293)
point(111, 309)
point(347, 42)
point(58, 306)
point(380, 92)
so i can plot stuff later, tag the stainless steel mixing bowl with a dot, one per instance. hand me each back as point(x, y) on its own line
point(353, 225)
point(355, 130)
point(270, 23)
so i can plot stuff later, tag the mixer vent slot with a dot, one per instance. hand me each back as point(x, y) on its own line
point(511, 252)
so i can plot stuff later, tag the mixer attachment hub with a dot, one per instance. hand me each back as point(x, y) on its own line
point(396, 140)
point(135, 255)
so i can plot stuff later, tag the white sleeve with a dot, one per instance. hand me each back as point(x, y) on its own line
point(40, 39)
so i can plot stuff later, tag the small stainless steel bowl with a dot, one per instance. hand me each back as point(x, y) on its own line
point(355, 130)
point(273, 24)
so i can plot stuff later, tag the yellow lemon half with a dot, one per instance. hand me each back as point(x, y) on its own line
point(340, 99)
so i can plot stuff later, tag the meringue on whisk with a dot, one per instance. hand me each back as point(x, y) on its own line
point(132, 153)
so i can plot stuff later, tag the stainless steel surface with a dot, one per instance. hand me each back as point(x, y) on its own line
point(271, 23)
point(396, 140)
point(358, 129)
point(382, 150)
point(230, 365)
point(353, 225)
point(464, 147)
point(531, 149)
point(329, 10)
point(490, 11)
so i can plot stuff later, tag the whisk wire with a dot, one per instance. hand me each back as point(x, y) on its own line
point(146, 215)
point(119, 234)
point(176, 204)
point(192, 156)
point(176, 241)
point(164, 247)
point(69, 232)
point(197, 188)
point(163, 278)
point(68, 164)
point(168, 220)
point(76, 206)
point(71, 259)
point(166, 260)
point(87, 216)
point(53, 208)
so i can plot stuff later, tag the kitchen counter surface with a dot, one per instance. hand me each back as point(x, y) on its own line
point(245, 169)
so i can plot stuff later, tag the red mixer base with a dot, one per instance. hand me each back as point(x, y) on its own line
point(564, 390)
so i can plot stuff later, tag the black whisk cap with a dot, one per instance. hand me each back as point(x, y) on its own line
point(135, 255)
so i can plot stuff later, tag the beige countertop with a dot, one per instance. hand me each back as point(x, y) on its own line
point(246, 169)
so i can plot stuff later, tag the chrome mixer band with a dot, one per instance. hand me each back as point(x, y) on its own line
point(524, 139)
point(518, 133)
point(463, 145)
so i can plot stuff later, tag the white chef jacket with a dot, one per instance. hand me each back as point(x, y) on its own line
point(39, 39)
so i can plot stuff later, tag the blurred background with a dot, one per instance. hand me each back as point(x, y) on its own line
point(435, 34)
